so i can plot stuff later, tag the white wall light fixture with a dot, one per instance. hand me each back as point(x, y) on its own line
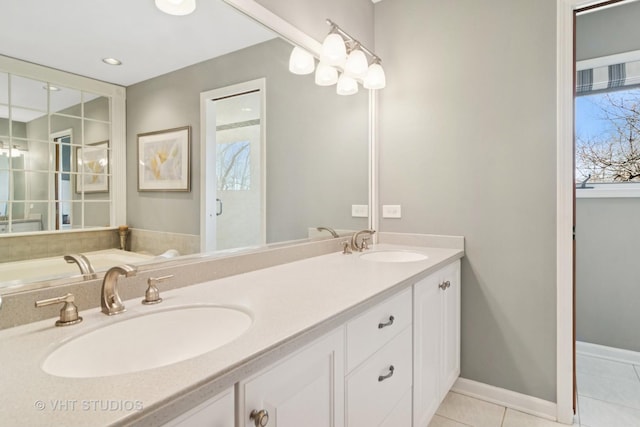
point(326, 75)
point(176, 7)
point(301, 62)
point(375, 78)
point(333, 58)
point(347, 85)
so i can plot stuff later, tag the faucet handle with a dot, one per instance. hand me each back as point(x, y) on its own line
point(365, 244)
point(152, 294)
point(346, 248)
point(69, 311)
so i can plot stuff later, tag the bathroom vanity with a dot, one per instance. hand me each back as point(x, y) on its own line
point(369, 338)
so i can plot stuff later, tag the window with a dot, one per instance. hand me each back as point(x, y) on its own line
point(607, 129)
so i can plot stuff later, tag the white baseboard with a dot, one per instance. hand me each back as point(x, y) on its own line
point(510, 399)
point(611, 353)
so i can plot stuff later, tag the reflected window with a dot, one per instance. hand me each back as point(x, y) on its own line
point(234, 166)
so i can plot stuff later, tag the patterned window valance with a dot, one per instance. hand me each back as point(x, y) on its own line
point(608, 73)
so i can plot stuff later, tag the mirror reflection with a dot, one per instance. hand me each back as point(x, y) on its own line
point(57, 164)
point(48, 160)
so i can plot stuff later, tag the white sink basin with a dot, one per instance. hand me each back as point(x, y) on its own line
point(147, 341)
point(394, 256)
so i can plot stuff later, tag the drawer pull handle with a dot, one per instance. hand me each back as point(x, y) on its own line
point(389, 375)
point(389, 323)
point(260, 418)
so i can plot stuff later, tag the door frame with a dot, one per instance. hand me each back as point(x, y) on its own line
point(208, 205)
point(565, 208)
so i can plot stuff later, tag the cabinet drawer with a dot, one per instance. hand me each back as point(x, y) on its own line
point(372, 398)
point(373, 329)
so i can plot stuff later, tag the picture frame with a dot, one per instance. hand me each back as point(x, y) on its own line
point(92, 168)
point(164, 159)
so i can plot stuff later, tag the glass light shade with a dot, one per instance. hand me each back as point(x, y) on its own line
point(301, 61)
point(334, 51)
point(176, 7)
point(326, 75)
point(357, 64)
point(375, 78)
point(347, 85)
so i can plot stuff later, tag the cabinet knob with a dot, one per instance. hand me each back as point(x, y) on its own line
point(445, 285)
point(260, 418)
point(389, 323)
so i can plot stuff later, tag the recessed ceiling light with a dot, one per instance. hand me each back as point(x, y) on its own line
point(111, 61)
point(176, 7)
point(51, 88)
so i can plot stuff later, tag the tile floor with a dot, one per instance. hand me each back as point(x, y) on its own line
point(458, 410)
point(608, 396)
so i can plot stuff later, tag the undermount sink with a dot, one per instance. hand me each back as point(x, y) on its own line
point(394, 256)
point(147, 341)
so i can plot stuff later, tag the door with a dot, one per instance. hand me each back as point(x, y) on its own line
point(427, 349)
point(62, 185)
point(451, 327)
point(235, 166)
point(306, 389)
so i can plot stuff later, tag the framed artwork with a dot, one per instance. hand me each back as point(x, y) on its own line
point(92, 167)
point(164, 160)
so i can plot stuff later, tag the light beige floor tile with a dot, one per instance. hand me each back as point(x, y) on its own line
point(473, 412)
point(439, 421)
point(605, 368)
point(612, 390)
point(596, 413)
point(519, 419)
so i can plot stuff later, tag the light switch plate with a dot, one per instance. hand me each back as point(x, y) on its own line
point(359, 211)
point(391, 211)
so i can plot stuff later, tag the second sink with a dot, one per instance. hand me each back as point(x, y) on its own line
point(393, 256)
point(148, 341)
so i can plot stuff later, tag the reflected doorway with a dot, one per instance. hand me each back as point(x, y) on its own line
point(62, 183)
point(235, 185)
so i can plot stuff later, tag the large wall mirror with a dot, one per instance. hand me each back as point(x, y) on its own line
point(53, 170)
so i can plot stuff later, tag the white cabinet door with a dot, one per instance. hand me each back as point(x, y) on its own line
point(306, 389)
point(215, 412)
point(427, 349)
point(436, 351)
point(451, 328)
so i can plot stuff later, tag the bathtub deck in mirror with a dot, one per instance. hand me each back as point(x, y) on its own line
point(18, 272)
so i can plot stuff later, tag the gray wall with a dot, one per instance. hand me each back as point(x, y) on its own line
point(316, 144)
point(608, 31)
point(353, 16)
point(608, 273)
point(467, 134)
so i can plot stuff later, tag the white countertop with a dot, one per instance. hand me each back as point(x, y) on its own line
point(291, 304)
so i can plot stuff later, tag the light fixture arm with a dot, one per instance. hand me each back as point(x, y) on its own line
point(335, 28)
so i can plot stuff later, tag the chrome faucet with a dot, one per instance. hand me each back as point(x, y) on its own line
point(362, 246)
point(111, 302)
point(330, 230)
point(83, 263)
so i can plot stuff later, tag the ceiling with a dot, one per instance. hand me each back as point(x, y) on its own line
point(75, 35)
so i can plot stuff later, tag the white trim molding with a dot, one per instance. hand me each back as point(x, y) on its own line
point(609, 190)
point(510, 399)
point(564, 205)
point(609, 353)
